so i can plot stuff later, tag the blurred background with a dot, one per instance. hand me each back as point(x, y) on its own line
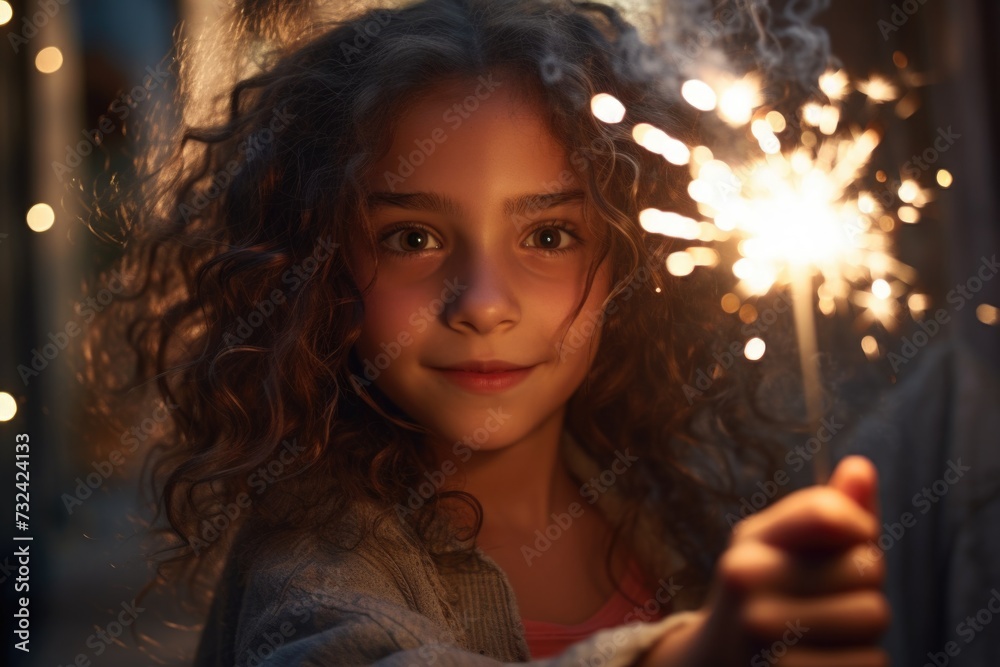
point(76, 76)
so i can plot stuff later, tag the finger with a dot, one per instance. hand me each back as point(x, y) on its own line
point(757, 566)
point(818, 518)
point(814, 657)
point(847, 619)
point(857, 477)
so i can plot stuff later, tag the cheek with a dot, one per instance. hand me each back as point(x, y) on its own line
point(387, 317)
point(599, 290)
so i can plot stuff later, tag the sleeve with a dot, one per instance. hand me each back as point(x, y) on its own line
point(309, 628)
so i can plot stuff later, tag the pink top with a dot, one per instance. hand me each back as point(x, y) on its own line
point(546, 639)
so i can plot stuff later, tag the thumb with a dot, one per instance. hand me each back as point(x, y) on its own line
point(856, 477)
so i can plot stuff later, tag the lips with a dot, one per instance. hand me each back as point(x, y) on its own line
point(485, 366)
point(485, 377)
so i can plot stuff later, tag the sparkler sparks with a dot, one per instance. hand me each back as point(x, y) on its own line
point(797, 211)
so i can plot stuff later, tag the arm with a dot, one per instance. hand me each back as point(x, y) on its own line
point(312, 607)
point(310, 629)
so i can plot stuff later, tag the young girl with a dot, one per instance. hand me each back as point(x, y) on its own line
point(430, 370)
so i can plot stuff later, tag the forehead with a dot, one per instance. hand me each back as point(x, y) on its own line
point(474, 133)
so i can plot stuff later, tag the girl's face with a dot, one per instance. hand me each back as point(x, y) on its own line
point(483, 255)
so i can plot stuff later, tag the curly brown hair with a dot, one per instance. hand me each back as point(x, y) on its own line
point(245, 314)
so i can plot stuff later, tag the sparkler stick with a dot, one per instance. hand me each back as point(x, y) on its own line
point(805, 329)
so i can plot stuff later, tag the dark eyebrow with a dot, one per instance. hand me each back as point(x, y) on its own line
point(435, 203)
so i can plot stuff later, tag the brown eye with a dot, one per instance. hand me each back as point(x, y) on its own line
point(414, 240)
point(551, 237)
point(410, 240)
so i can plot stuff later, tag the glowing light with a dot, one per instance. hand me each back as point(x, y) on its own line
point(40, 218)
point(812, 113)
point(649, 137)
point(701, 154)
point(867, 203)
point(908, 191)
point(769, 143)
point(754, 349)
point(676, 153)
point(835, 85)
point(908, 105)
point(800, 215)
point(829, 120)
point(704, 256)
point(900, 60)
point(6, 13)
point(870, 347)
point(756, 278)
point(944, 178)
point(738, 101)
point(730, 303)
point(908, 214)
point(607, 108)
point(699, 95)
point(878, 89)
point(881, 289)
point(657, 141)
point(669, 223)
point(49, 60)
point(761, 129)
point(921, 198)
point(680, 264)
point(748, 314)
point(987, 314)
point(918, 303)
point(708, 232)
point(8, 406)
point(776, 121)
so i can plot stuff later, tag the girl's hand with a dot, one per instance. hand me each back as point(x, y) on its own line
point(788, 591)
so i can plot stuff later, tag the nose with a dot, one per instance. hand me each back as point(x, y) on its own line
point(489, 301)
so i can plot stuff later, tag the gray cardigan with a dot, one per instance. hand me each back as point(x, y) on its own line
point(385, 602)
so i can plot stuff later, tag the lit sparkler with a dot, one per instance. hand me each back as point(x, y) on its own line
point(796, 209)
